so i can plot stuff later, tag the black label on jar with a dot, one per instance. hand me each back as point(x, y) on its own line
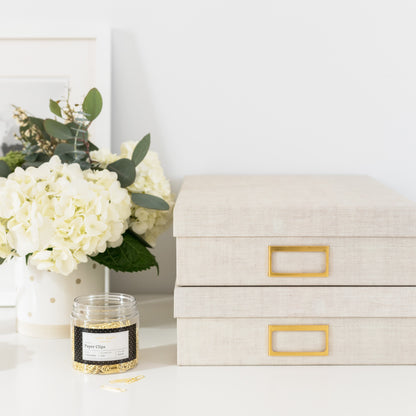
point(105, 346)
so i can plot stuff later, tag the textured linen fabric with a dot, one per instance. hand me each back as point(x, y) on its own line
point(291, 205)
point(287, 301)
point(243, 261)
point(236, 341)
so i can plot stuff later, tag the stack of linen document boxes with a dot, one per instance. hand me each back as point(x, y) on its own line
point(294, 270)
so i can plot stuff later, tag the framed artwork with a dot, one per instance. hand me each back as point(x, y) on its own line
point(39, 64)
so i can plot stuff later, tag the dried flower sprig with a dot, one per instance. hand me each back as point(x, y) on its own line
point(69, 138)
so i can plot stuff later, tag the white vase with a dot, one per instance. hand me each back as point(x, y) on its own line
point(44, 299)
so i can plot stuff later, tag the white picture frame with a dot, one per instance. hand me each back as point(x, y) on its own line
point(37, 56)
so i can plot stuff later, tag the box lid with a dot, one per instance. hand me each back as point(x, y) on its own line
point(295, 302)
point(291, 205)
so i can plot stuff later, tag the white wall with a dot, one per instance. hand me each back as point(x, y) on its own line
point(259, 86)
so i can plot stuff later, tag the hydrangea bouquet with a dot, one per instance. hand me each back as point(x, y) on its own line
point(64, 201)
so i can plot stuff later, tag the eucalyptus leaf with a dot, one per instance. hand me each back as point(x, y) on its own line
point(66, 158)
point(4, 169)
point(31, 164)
point(92, 105)
point(79, 154)
point(141, 149)
point(68, 154)
point(78, 130)
point(73, 157)
point(31, 157)
point(56, 129)
point(84, 164)
point(42, 157)
point(150, 201)
point(55, 108)
point(63, 148)
point(2, 260)
point(32, 148)
point(81, 145)
point(35, 159)
point(126, 171)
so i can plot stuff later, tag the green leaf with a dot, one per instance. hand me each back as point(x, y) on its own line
point(63, 148)
point(84, 164)
point(2, 260)
point(42, 157)
point(35, 159)
point(140, 238)
point(54, 107)
point(56, 129)
point(130, 256)
point(141, 149)
point(38, 122)
point(92, 146)
point(126, 171)
point(92, 105)
point(4, 169)
point(31, 157)
point(150, 201)
point(31, 164)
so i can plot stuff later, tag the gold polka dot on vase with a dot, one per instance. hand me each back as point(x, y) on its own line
point(32, 279)
point(52, 300)
point(78, 281)
point(94, 265)
point(29, 314)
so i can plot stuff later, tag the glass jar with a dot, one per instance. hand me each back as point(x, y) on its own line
point(105, 333)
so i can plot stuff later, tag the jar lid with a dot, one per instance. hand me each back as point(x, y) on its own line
point(104, 306)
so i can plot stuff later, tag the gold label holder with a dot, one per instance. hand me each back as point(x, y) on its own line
point(308, 328)
point(299, 249)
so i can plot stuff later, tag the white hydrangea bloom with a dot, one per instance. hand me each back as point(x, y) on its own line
point(5, 249)
point(104, 157)
point(150, 179)
point(62, 214)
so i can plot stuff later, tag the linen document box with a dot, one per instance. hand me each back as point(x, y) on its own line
point(294, 269)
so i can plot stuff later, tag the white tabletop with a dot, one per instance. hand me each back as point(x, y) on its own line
point(36, 378)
